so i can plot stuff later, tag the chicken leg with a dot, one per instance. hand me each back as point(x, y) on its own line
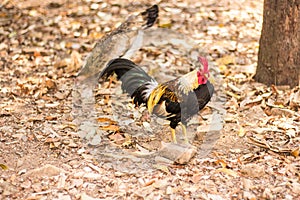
point(173, 134)
point(184, 132)
point(186, 140)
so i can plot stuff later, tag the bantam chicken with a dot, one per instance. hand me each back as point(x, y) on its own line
point(176, 100)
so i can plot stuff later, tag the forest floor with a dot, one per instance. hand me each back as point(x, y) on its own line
point(255, 154)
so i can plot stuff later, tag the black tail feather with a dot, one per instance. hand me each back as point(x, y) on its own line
point(150, 15)
point(134, 78)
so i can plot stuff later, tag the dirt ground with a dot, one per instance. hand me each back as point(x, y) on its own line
point(252, 154)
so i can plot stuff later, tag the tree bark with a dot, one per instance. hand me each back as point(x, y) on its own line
point(279, 45)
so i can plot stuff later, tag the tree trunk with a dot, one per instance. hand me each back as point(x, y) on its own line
point(279, 45)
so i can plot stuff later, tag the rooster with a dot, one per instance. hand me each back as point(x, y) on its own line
point(176, 100)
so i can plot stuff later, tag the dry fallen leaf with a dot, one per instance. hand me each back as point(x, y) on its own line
point(114, 128)
point(117, 138)
point(110, 121)
point(295, 152)
point(222, 162)
point(4, 167)
point(228, 172)
point(226, 60)
point(163, 168)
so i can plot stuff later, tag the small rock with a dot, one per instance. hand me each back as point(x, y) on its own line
point(186, 156)
point(178, 153)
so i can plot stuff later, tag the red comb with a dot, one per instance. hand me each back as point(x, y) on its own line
point(204, 62)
